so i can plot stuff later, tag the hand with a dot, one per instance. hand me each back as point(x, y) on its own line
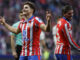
point(14, 54)
point(48, 15)
point(2, 20)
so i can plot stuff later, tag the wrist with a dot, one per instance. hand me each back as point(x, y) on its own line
point(48, 21)
point(13, 50)
point(4, 23)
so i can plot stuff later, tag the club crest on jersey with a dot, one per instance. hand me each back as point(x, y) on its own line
point(24, 36)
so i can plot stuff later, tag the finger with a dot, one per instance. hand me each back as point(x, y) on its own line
point(49, 15)
point(3, 17)
point(1, 23)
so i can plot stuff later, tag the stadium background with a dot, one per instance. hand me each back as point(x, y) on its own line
point(10, 10)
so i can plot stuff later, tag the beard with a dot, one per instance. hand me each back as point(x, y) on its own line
point(70, 18)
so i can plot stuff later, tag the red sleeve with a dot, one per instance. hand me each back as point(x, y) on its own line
point(19, 26)
point(38, 21)
point(68, 35)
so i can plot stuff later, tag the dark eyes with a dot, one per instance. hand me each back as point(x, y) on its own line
point(26, 7)
point(70, 13)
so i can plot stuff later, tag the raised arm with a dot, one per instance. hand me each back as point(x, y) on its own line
point(47, 27)
point(10, 28)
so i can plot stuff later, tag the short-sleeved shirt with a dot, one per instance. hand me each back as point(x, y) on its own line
point(64, 37)
point(30, 30)
point(18, 37)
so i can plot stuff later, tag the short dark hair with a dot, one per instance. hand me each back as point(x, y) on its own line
point(66, 8)
point(31, 4)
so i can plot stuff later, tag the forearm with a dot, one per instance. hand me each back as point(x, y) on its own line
point(48, 25)
point(13, 44)
point(10, 28)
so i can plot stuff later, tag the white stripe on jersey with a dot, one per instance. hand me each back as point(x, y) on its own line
point(20, 25)
point(69, 36)
point(57, 48)
point(70, 29)
point(26, 41)
point(31, 37)
point(22, 39)
point(38, 19)
point(61, 47)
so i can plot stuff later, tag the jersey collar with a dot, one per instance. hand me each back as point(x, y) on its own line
point(29, 19)
point(66, 19)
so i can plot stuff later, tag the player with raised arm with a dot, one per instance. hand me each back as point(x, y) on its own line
point(64, 35)
point(30, 28)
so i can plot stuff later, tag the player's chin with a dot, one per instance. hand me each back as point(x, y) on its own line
point(70, 18)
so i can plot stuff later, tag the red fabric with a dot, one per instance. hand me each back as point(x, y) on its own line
point(31, 46)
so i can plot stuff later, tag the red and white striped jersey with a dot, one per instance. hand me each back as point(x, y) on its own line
point(64, 37)
point(30, 30)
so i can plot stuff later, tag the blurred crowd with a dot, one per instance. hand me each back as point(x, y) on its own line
point(11, 8)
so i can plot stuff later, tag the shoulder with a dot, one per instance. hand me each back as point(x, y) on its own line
point(38, 19)
point(61, 21)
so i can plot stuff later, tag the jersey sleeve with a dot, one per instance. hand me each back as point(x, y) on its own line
point(19, 26)
point(68, 35)
point(14, 25)
point(54, 30)
point(42, 36)
point(38, 21)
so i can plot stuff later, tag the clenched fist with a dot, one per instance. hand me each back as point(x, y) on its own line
point(48, 15)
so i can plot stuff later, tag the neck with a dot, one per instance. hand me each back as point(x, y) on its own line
point(28, 16)
point(67, 18)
